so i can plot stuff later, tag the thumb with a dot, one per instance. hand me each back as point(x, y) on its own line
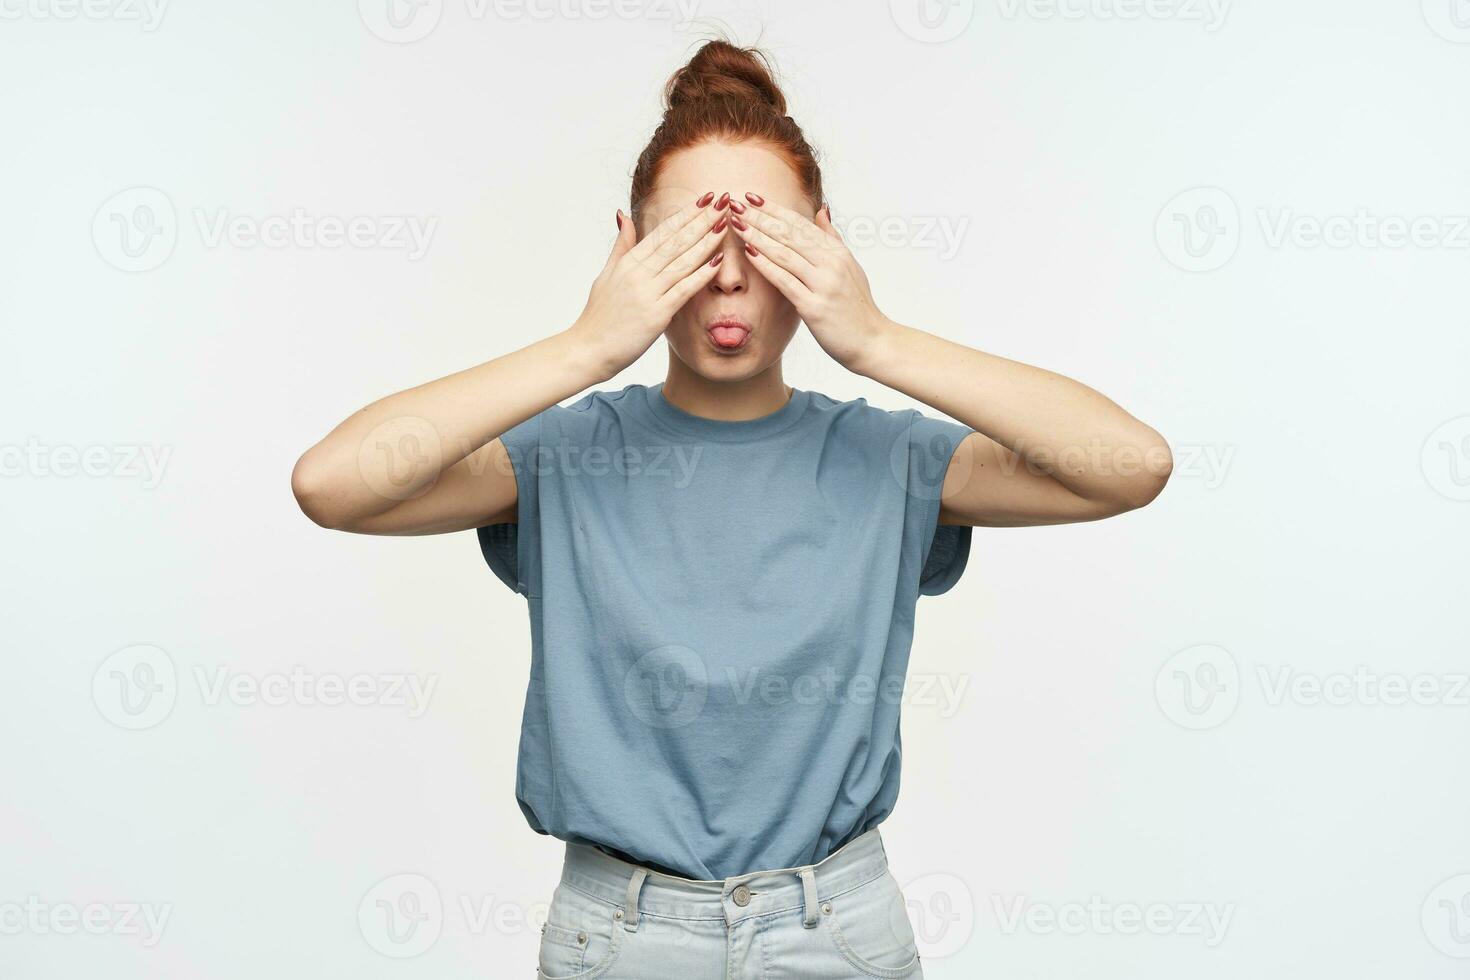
point(626, 239)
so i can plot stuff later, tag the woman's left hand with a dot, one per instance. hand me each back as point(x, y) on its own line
point(812, 267)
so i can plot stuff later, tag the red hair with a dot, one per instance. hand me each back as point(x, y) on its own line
point(725, 93)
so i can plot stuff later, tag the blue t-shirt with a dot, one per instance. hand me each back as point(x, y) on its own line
point(721, 616)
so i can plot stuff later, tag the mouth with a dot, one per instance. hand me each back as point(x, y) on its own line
point(728, 333)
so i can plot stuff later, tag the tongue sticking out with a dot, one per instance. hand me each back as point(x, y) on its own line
point(728, 336)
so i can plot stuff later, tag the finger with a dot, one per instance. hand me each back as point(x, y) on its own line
point(792, 228)
point(691, 236)
point(699, 251)
point(777, 252)
point(790, 286)
point(683, 290)
point(671, 226)
point(624, 241)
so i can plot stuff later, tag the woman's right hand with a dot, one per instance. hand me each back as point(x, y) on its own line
point(645, 283)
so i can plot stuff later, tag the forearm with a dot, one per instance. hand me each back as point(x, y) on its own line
point(1057, 426)
point(392, 449)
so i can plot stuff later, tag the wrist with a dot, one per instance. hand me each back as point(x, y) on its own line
point(582, 348)
point(877, 350)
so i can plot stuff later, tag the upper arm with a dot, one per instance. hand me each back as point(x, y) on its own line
point(988, 485)
point(478, 490)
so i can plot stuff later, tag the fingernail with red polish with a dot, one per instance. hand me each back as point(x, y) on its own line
point(720, 225)
point(737, 207)
point(751, 249)
point(735, 220)
point(717, 258)
point(724, 200)
point(755, 199)
point(708, 196)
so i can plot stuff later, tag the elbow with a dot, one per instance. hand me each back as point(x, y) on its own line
point(1141, 487)
point(314, 493)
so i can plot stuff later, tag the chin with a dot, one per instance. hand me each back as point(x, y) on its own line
point(727, 367)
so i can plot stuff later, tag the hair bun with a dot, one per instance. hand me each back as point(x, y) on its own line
point(720, 70)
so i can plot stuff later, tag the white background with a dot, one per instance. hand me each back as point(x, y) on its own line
point(1315, 395)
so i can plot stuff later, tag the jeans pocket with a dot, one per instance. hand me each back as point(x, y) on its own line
point(870, 927)
point(580, 939)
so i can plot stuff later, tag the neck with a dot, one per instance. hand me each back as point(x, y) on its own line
point(725, 401)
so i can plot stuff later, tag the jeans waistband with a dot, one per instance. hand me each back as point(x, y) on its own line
point(636, 890)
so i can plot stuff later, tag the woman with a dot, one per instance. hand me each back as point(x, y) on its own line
point(722, 570)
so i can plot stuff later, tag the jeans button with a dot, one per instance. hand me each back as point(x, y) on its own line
point(741, 894)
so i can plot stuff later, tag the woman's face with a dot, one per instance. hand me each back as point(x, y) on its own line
point(738, 292)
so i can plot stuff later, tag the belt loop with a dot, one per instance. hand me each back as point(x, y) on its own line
point(635, 883)
point(809, 896)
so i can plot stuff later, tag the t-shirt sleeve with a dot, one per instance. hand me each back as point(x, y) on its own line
point(944, 548)
point(513, 550)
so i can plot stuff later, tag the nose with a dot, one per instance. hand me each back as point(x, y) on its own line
point(734, 269)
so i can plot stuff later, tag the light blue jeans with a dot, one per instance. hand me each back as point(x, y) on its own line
point(839, 919)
